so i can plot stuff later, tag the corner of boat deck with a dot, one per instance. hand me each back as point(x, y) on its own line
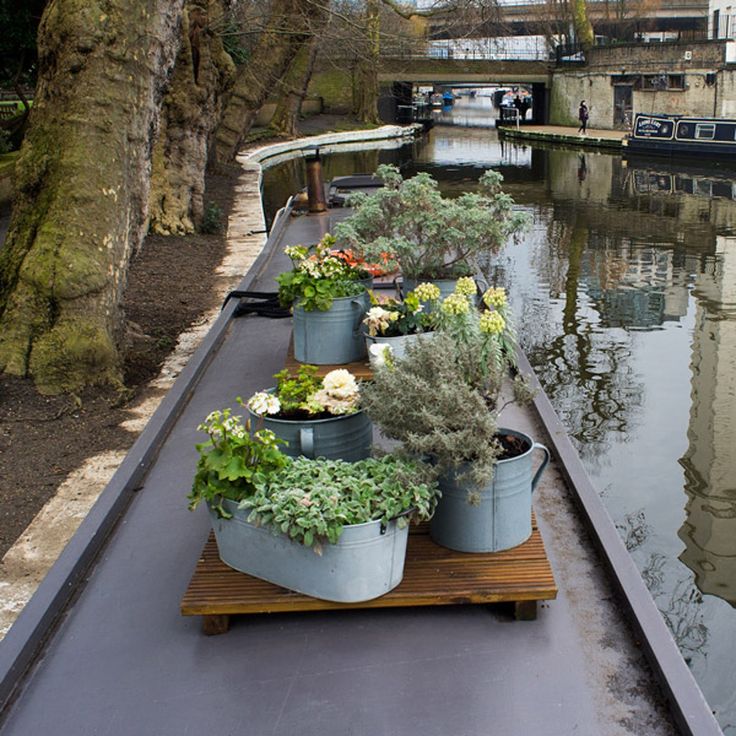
point(102, 648)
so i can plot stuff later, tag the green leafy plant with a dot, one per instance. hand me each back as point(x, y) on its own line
point(312, 500)
point(318, 276)
point(442, 399)
point(5, 146)
point(307, 395)
point(409, 223)
point(212, 219)
point(231, 462)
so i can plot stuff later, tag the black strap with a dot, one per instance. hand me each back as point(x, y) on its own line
point(262, 303)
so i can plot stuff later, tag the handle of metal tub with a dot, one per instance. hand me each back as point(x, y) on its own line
point(357, 327)
point(306, 441)
point(540, 469)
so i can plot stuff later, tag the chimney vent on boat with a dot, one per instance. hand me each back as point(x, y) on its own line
point(315, 182)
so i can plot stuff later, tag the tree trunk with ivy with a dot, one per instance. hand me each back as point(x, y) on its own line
point(287, 29)
point(189, 116)
point(365, 77)
point(285, 120)
point(82, 181)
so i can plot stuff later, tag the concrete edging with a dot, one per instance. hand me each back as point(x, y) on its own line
point(689, 708)
point(587, 141)
point(35, 624)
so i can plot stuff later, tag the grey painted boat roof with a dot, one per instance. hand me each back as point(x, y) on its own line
point(120, 660)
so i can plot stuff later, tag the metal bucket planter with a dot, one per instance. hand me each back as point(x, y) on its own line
point(332, 337)
point(366, 562)
point(346, 437)
point(503, 519)
point(398, 344)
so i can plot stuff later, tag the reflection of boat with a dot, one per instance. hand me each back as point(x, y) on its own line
point(658, 178)
point(448, 99)
point(677, 135)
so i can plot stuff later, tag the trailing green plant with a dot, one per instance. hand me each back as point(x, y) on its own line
point(307, 395)
point(442, 399)
point(319, 275)
point(212, 219)
point(231, 462)
point(411, 225)
point(312, 500)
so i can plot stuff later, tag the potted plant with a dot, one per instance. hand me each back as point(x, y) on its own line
point(394, 323)
point(328, 294)
point(409, 224)
point(316, 417)
point(324, 528)
point(442, 402)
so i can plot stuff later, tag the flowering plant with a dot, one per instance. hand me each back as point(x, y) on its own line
point(307, 396)
point(318, 276)
point(231, 462)
point(443, 398)
point(392, 318)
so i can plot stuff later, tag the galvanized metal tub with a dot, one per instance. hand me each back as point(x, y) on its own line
point(366, 562)
point(332, 337)
point(503, 518)
point(346, 437)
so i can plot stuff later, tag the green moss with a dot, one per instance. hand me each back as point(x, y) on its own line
point(76, 352)
point(559, 106)
point(334, 87)
point(7, 163)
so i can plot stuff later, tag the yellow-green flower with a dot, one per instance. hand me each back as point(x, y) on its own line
point(466, 286)
point(427, 292)
point(495, 297)
point(492, 323)
point(455, 304)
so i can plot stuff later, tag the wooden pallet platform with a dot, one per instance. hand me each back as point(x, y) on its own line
point(433, 576)
point(360, 369)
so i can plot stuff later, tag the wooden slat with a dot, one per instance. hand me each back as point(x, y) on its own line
point(360, 369)
point(433, 575)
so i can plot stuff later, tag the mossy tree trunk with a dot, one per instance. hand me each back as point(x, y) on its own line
point(582, 24)
point(365, 79)
point(82, 181)
point(285, 120)
point(288, 28)
point(189, 116)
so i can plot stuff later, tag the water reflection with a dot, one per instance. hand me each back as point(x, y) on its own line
point(709, 530)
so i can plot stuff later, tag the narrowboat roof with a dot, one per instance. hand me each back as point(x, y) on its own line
point(101, 648)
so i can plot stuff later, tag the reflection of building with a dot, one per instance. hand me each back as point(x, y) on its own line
point(649, 291)
point(709, 530)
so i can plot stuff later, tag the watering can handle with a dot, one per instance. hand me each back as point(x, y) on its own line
point(356, 328)
point(540, 469)
point(306, 441)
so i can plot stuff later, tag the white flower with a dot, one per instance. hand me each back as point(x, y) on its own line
point(264, 403)
point(340, 383)
point(379, 354)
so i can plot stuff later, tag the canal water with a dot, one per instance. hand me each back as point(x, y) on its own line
point(624, 290)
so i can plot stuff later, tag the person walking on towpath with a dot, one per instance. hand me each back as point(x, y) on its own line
point(583, 117)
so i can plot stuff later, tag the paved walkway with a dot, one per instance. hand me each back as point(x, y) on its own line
point(567, 134)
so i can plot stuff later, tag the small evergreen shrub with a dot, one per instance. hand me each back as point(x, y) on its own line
point(212, 219)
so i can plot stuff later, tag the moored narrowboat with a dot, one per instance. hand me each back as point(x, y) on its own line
point(679, 135)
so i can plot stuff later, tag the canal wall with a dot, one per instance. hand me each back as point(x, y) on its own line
point(683, 78)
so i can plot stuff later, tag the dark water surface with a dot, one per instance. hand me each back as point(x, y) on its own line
point(624, 290)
